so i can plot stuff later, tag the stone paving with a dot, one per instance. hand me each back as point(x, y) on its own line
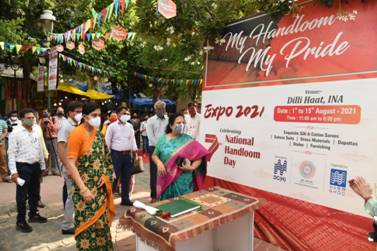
point(48, 236)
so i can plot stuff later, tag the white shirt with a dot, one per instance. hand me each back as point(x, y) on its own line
point(66, 127)
point(25, 147)
point(156, 128)
point(121, 137)
point(193, 125)
point(143, 126)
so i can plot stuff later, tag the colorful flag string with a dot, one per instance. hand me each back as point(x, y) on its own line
point(18, 48)
point(165, 80)
point(76, 63)
point(81, 32)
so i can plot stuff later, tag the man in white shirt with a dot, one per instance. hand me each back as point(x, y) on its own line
point(156, 127)
point(192, 121)
point(26, 162)
point(74, 115)
point(120, 138)
point(143, 131)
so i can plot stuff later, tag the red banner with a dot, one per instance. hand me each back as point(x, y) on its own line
point(307, 77)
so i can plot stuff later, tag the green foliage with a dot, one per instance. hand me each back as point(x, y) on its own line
point(167, 48)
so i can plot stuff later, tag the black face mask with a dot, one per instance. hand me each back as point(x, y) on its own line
point(60, 114)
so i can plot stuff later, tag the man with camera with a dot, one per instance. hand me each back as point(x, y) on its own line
point(50, 128)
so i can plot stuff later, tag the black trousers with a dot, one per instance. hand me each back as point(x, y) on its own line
point(31, 173)
point(122, 164)
point(153, 173)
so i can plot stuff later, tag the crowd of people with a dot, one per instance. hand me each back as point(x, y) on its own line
point(96, 160)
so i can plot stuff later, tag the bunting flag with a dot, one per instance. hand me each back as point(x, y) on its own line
point(103, 16)
point(18, 48)
point(165, 80)
point(116, 7)
point(122, 6)
point(81, 66)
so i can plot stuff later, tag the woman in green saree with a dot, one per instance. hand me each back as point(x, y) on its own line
point(91, 169)
point(181, 161)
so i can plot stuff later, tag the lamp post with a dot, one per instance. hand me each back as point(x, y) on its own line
point(47, 20)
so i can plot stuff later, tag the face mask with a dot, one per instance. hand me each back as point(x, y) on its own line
point(160, 113)
point(125, 118)
point(28, 122)
point(13, 118)
point(78, 117)
point(60, 114)
point(95, 122)
point(179, 128)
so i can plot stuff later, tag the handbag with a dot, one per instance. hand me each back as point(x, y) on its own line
point(137, 166)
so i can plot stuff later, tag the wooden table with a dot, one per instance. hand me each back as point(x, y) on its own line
point(224, 222)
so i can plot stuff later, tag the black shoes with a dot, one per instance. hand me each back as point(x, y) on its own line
point(26, 228)
point(23, 227)
point(127, 203)
point(37, 219)
point(68, 231)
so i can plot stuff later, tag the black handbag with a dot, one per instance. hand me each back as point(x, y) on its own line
point(137, 166)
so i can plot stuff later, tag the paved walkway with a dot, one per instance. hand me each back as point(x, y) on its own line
point(48, 236)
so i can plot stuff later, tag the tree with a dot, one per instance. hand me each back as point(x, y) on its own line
point(168, 48)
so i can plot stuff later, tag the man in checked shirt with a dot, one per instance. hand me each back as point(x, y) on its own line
point(26, 162)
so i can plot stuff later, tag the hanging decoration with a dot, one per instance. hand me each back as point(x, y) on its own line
point(98, 44)
point(70, 45)
point(119, 33)
point(98, 18)
point(81, 48)
point(18, 48)
point(167, 8)
point(59, 48)
point(165, 80)
point(81, 66)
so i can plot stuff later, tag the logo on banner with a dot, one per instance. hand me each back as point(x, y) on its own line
point(338, 181)
point(280, 169)
point(307, 172)
point(307, 169)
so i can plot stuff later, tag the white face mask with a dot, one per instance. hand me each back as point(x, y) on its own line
point(95, 122)
point(78, 117)
point(124, 118)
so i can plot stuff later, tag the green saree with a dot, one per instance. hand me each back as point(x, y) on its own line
point(93, 220)
point(165, 148)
